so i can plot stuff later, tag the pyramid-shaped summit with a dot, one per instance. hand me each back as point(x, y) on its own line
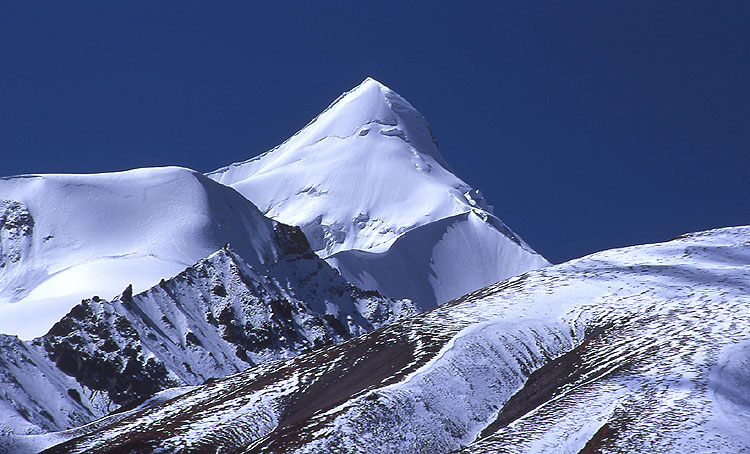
point(367, 185)
point(371, 104)
point(368, 106)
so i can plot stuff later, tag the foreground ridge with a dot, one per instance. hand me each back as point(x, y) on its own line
point(641, 349)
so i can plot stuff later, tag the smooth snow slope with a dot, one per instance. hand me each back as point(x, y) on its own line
point(464, 251)
point(66, 237)
point(363, 174)
point(641, 349)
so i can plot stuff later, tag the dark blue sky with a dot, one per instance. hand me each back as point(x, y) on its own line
point(588, 126)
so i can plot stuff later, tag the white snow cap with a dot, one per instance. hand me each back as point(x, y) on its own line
point(372, 103)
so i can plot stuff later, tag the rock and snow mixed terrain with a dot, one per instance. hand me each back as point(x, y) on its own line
point(214, 319)
point(367, 185)
point(641, 349)
point(257, 293)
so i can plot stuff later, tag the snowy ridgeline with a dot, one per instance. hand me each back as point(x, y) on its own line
point(641, 349)
point(366, 183)
point(214, 319)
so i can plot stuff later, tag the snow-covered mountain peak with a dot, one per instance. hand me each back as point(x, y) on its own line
point(367, 172)
point(358, 176)
point(373, 106)
point(370, 107)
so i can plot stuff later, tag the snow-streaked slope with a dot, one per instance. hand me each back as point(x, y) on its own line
point(66, 237)
point(216, 318)
point(363, 174)
point(641, 349)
